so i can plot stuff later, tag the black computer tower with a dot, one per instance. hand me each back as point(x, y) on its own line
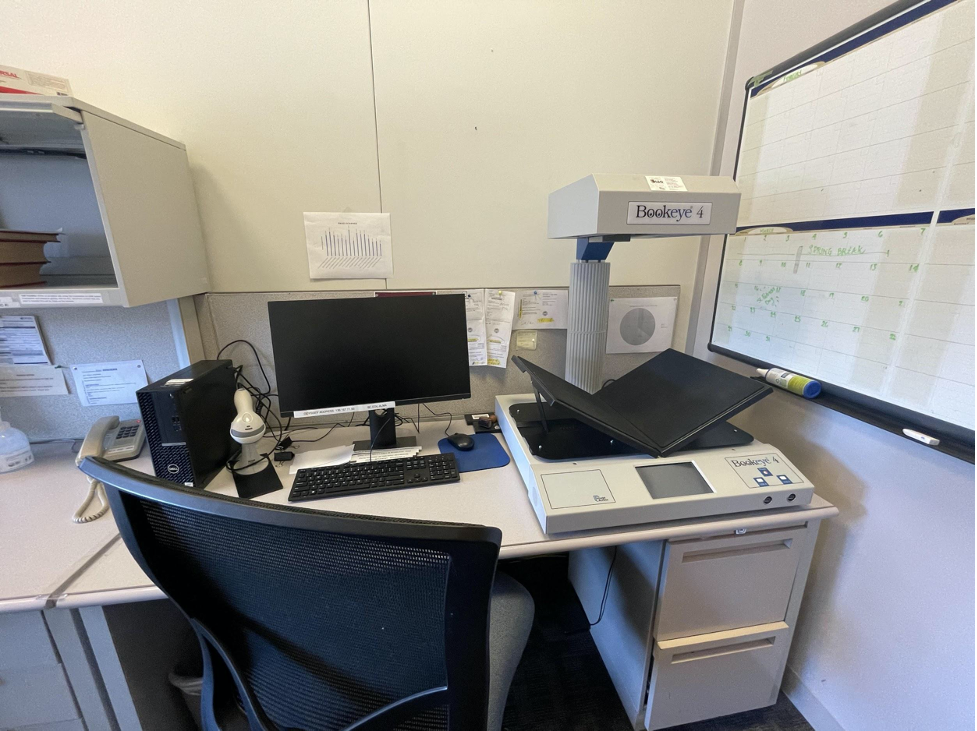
point(188, 417)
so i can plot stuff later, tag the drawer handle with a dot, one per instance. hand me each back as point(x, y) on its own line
point(724, 650)
point(745, 551)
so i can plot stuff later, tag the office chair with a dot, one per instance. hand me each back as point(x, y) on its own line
point(314, 620)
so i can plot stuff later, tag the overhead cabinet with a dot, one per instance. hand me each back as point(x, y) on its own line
point(121, 196)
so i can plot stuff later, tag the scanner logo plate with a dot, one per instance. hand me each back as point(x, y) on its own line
point(669, 214)
point(576, 489)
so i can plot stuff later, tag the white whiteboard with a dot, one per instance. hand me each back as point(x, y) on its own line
point(854, 263)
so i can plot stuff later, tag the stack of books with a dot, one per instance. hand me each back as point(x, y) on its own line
point(22, 256)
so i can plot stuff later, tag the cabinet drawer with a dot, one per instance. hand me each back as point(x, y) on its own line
point(726, 582)
point(24, 641)
point(33, 696)
point(702, 677)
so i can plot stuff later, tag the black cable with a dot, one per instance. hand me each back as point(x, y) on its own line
point(603, 601)
point(328, 432)
point(256, 359)
point(607, 586)
point(435, 413)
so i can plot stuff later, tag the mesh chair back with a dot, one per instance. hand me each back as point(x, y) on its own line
point(313, 620)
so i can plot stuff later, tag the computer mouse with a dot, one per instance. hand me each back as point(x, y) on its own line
point(464, 442)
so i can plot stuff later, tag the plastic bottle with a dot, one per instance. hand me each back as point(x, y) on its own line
point(15, 449)
point(792, 382)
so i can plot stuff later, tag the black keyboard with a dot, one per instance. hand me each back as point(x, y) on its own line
point(316, 483)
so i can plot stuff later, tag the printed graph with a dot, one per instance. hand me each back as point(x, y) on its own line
point(351, 248)
point(348, 245)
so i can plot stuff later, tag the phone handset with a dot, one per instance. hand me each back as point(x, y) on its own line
point(93, 447)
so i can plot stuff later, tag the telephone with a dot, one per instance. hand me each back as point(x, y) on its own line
point(116, 441)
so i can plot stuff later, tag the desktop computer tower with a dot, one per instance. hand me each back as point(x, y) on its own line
point(187, 417)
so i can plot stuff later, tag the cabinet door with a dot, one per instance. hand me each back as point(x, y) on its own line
point(726, 582)
point(712, 675)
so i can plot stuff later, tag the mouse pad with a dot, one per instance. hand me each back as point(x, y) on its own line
point(485, 455)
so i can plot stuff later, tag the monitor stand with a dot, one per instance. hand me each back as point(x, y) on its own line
point(383, 433)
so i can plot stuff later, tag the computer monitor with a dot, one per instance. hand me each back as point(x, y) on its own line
point(336, 356)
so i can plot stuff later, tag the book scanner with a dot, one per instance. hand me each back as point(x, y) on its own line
point(653, 445)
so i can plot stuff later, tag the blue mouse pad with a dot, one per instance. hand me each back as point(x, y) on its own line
point(485, 455)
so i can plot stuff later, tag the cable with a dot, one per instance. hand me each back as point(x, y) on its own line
point(256, 359)
point(435, 413)
point(95, 489)
point(603, 601)
point(328, 432)
point(607, 586)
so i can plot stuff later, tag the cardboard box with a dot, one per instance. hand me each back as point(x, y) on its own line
point(19, 81)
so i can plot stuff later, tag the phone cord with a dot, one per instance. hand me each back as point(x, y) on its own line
point(95, 489)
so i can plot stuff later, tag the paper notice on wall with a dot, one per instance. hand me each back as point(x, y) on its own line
point(500, 306)
point(21, 342)
point(32, 380)
point(101, 384)
point(475, 321)
point(640, 324)
point(348, 245)
point(541, 309)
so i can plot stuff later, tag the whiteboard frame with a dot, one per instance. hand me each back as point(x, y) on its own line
point(955, 440)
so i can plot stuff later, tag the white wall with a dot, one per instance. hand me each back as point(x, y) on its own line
point(483, 107)
point(885, 639)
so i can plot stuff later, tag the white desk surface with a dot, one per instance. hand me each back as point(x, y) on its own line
point(40, 548)
point(494, 497)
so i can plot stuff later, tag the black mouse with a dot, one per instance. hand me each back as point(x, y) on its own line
point(464, 442)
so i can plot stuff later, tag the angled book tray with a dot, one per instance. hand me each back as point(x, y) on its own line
point(668, 403)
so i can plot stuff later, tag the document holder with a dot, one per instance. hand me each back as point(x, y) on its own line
point(669, 403)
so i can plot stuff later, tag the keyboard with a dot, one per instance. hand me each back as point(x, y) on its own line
point(316, 483)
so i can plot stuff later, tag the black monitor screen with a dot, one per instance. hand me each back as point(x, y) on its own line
point(345, 352)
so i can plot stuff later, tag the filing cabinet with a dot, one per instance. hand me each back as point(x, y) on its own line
point(697, 627)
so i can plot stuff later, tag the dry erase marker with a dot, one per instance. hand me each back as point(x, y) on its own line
point(792, 382)
point(920, 437)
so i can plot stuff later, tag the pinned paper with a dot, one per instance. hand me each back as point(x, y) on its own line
point(21, 342)
point(526, 340)
point(348, 245)
point(640, 324)
point(542, 309)
point(101, 384)
point(32, 380)
point(499, 308)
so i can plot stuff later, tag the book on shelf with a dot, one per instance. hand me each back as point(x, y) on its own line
point(21, 275)
point(13, 235)
point(22, 252)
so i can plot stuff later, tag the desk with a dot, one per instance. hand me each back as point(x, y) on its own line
point(494, 497)
point(92, 569)
point(42, 549)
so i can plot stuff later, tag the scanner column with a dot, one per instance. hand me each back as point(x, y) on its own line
point(587, 323)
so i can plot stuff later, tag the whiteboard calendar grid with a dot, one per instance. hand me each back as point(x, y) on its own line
point(844, 268)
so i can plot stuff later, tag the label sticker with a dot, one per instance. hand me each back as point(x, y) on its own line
point(177, 381)
point(668, 214)
point(343, 409)
point(665, 182)
point(43, 298)
point(8, 302)
point(757, 470)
